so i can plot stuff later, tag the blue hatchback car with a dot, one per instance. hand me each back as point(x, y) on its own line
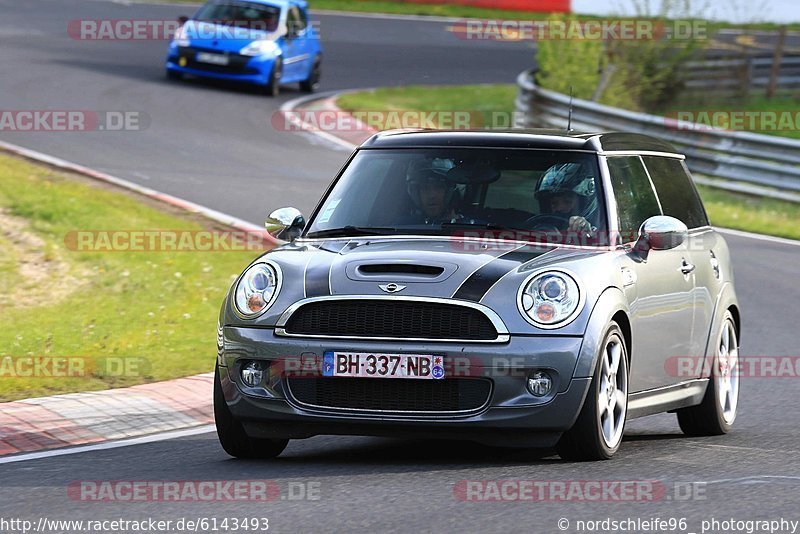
point(264, 42)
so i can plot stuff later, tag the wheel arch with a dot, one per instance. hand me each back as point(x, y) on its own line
point(611, 305)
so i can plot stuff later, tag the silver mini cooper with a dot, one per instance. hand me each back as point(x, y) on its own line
point(522, 288)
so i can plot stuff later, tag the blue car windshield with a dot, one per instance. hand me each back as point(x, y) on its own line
point(528, 195)
point(243, 14)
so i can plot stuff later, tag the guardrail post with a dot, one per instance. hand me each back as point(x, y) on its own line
point(777, 59)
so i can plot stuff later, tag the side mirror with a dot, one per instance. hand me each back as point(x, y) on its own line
point(285, 223)
point(183, 19)
point(660, 233)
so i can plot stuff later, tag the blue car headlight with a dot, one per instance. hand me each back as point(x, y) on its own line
point(181, 37)
point(257, 289)
point(550, 299)
point(262, 47)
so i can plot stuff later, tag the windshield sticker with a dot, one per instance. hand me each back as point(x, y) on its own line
point(328, 213)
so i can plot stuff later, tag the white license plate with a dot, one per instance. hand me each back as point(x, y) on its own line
point(213, 59)
point(377, 365)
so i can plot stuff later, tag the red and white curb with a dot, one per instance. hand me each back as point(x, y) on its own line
point(77, 419)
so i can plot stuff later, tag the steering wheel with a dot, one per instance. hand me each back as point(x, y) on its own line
point(547, 222)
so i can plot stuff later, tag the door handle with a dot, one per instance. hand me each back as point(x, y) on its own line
point(686, 267)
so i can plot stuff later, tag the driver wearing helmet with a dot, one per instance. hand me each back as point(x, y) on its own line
point(432, 195)
point(567, 191)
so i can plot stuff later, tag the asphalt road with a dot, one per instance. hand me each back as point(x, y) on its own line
point(215, 146)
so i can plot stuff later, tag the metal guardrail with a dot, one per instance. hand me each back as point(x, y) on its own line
point(741, 74)
point(760, 161)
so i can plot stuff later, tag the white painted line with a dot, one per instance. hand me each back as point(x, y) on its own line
point(288, 108)
point(174, 434)
point(760, 237)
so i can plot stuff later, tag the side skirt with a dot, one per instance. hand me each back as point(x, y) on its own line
point(666, 399)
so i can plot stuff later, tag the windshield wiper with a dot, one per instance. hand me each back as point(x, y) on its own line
point(347, 231)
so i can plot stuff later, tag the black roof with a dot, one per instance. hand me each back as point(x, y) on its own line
point(554, 139)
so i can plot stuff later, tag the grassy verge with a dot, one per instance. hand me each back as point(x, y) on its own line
point(121, 318)
point(481, 105)
point(726, 209)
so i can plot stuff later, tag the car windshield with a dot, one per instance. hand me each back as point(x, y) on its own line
point(242, 14)
point(528, 195)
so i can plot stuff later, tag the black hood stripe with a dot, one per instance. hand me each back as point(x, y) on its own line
point(318, 270)
point(479, 283)
point(317, 275)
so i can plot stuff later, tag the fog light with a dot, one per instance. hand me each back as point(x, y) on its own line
point(252, 374)
point(540, 383)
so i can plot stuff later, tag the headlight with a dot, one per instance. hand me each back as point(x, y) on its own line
point(257, 289)
point(550, 299)
point(181, 37)
point(259, 48)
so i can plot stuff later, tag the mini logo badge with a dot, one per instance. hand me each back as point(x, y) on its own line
point(392, 288)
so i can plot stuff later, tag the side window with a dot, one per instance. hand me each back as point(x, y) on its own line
point(636, 201)
point(676, 191)
point(295, 21)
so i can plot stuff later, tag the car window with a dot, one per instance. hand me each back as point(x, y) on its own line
point(676, 191)
point(633, 192)
point(429, 190)
point(296, 21)
point(244, 14)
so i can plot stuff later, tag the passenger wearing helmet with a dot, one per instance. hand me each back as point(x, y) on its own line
point(567, 193)
point(432, 195)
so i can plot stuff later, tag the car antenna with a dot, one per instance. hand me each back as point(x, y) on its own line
point(569, 118)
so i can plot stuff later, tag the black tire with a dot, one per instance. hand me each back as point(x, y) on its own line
point(174, 76)
point(311, 85)
point(585, 441)
point(273, 88)
point(708, 418)
point(232, 436)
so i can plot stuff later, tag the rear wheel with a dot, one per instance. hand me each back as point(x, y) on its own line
point(311, 84)
point(597, 434)
point(715, 415)
point(231, 433)
point(273, 87)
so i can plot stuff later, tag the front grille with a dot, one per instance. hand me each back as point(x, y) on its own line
point(392, 394)
point(391, 318)
point(237, 64)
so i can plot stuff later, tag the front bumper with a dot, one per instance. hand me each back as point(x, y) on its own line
point(240, 69)
point(511, 414)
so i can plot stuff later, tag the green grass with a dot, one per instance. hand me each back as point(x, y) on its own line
point(726, 209)
point(156, 309)
point(486, 105)
point(751, 214)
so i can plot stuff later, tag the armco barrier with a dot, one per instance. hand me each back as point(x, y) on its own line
point(757, 159)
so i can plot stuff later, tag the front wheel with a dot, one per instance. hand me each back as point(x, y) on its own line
point(715, 415)
point(231, 433)
point(597, 434)
point(311, 84)
point(273, 87)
